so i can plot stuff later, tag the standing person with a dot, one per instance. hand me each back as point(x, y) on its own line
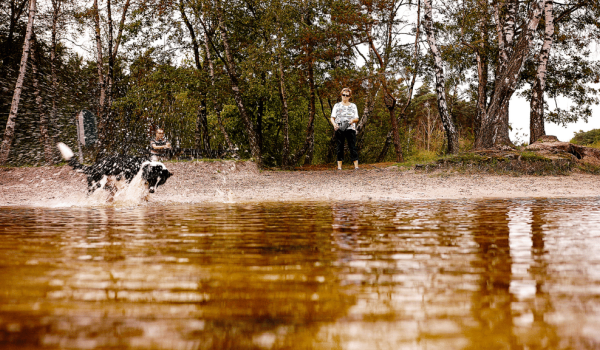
point(159, 146)
point(344, 117)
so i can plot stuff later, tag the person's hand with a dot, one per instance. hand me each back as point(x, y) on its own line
point(335, 127)
point(168, 145)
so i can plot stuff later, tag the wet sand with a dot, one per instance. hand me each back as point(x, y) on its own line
point(228, 181)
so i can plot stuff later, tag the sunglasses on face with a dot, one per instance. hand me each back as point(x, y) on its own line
point(345, 95)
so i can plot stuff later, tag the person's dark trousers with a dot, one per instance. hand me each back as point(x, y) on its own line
point(340, 137)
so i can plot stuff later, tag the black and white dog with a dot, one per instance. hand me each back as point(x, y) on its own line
point(107, 173)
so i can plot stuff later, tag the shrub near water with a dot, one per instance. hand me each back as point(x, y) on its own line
point(587, 138)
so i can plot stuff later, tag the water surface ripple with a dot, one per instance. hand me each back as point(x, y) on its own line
point(485, 274)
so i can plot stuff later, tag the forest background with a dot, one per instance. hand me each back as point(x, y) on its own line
point(428, 77)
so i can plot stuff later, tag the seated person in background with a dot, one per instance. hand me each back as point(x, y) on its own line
point(159, 146)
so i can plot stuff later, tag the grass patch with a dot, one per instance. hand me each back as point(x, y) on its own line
point(588, 168)
point(420, 157)
point(595, 145)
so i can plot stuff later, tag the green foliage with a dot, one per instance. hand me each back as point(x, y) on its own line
point(162, 77)
point(420, 157)
point(587, 138)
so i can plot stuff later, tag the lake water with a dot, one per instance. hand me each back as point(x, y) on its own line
point(488, 274)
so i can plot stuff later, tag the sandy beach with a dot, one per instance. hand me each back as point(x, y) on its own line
point(229, 181)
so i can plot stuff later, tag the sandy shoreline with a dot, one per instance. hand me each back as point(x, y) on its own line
point(228, 181)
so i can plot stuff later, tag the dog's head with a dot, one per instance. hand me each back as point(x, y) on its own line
point(155, 174)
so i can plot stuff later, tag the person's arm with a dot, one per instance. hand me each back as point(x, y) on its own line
point(332, 119)
point(356, 119)
point(154, 146)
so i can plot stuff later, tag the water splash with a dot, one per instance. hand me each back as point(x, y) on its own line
point(133, 193)
point(225, 192)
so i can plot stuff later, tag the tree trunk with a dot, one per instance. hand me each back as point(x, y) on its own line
point(202, 139)
point(536, 123)
point(451, 132)
point(371, 92)
point(216, 105)
point(308, 146)
point(9, 133)
point(201, 135)
point(111, 57)
point(388, 100)
point(102, 118)
point(56, 7)
point(386, 148)
point(285, 152)
point(259, 120)
point(309, 143)
point(411, 87)
point(391, 105)
point(494, 126)
point(44, 136)
point(311, 118)
point(482, 72)
point(237, 94)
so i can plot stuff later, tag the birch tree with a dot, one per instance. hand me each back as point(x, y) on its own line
point(494, 122)
point(536, 114)
point(440, 83)
point(45, 139)
point(9, 132)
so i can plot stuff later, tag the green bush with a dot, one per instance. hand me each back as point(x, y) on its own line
point(586, 138)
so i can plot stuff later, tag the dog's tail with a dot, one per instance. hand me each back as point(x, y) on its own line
point(69, 156)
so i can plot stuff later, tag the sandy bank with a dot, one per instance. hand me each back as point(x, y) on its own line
point(208, 182)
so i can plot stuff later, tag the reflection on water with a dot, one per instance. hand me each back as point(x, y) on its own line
point(516, 274)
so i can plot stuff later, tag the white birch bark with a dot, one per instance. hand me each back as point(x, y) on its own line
point(451, 132)
point(102, 122)
point(56, 9)
point(9, 133)
point(536, 118)
point(494, 127)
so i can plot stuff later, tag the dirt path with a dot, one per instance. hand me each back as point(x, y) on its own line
point(209, 182)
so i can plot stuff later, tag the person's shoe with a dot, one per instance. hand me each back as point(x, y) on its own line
point(339, 169)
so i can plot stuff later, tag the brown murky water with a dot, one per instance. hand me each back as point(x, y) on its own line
point(514, 274)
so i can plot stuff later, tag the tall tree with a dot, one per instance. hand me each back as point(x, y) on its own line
point(536, 114)
point(45, 139)
point(440, 82)
point(231, 69)
point(106, 81)
point(57, 13)
point(202, 134)
point(409, 70)
point(494, 123)
point(9, 133)
point(388, 98)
